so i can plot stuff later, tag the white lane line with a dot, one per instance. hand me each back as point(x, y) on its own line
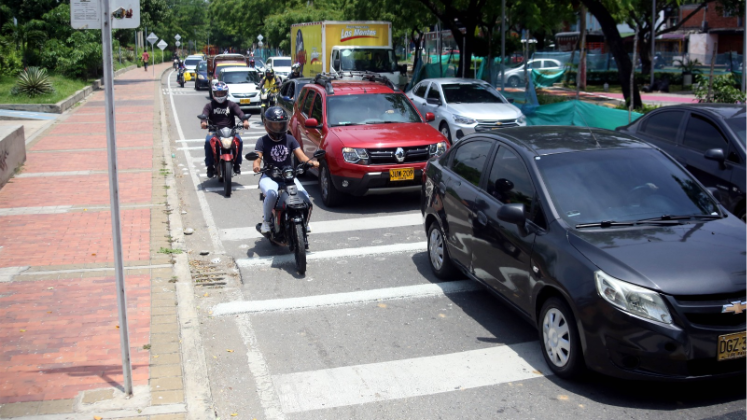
point(350, 298)
point(354, 385)
point(334, 226)
point(206, 212)
point(333, 253)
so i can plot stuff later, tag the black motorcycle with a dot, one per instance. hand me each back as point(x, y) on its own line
point(292, 211)
point(180, 75)
point(225, 148)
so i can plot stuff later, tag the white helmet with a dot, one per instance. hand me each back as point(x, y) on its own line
point(220, 92)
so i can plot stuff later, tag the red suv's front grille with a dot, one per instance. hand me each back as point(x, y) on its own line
point(386, 156)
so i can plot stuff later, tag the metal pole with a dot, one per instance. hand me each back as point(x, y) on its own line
point(503, 43)
point(632, 77)
point(153, 59)
point(744, 49)
point(464, 58)
point(111, 148)
point(653, 41)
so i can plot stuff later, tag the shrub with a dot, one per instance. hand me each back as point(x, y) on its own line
point(33, 82)
point(724, 89)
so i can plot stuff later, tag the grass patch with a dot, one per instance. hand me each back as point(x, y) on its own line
point(63, 87)
point(169, 251)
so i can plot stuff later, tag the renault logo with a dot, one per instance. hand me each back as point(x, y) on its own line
point(399, 154)
point(735, 307)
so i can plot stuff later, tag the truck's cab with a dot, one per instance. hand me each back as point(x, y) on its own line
point(381, 60)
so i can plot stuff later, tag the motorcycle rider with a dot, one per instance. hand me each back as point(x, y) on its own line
point(222, 113)
point(269, 80)
point(277, 145)
point(251, 64)
point(295, 71)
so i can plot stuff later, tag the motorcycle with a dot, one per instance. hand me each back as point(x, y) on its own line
point(269, 98)
point(180, 76)
point(290, 217)
point(225, 147)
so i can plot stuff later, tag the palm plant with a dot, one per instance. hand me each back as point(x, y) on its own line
point(33, 82)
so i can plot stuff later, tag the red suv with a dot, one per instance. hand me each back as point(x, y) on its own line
point(375, 138)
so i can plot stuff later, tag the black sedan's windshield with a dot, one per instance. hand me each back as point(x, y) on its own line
point(470, 93)
point(202, 66)
point(621, 185)
point(379, 108)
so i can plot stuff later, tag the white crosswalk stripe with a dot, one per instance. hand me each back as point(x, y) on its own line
point(333, 226)
point(398, 379)
point(334, 253)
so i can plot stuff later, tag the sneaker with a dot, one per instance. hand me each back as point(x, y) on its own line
point(265, 228)
point(237, 169)
point(210, 172)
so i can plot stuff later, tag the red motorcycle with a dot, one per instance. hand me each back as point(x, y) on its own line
point(225, 147)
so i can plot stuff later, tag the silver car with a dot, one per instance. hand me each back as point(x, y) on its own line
point(515, 77)
point(464, 106)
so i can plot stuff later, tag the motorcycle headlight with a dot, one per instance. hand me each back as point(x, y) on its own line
point(352, 155)
point(226, 142)
point(288, 174)
point(437, 149)
point(633, 299)
point(463, 120)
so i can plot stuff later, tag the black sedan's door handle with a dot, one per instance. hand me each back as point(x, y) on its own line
point(441, 188)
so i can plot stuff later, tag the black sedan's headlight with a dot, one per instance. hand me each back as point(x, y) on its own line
point(631, 298)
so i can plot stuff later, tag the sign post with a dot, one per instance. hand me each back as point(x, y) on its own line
point(105, 15)
point(178, 44)
point(162, 44)
point(152, 38)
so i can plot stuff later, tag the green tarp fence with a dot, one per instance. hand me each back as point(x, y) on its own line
point(580, 114)
point(545, 78)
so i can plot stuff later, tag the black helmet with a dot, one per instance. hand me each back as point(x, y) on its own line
point(276, 122)
point(269, 72)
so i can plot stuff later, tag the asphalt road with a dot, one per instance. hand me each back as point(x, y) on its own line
point(368, 332)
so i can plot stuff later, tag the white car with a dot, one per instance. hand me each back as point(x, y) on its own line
point(464, 106)
point(515, 77)
point(242, 87)
point(281, 65)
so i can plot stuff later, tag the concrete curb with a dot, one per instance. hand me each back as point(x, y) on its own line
point(197, 393)
point(66, 103)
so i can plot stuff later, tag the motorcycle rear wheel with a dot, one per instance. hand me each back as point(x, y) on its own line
point(299, 248)
point(227, 172)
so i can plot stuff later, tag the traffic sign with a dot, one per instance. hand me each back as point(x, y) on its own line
point(260, 37)
point(178, 44)
point(152, 38)
point(177, 37)
point(86, 14)
point(162, 44)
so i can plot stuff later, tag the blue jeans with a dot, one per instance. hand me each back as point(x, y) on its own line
point(209, 151)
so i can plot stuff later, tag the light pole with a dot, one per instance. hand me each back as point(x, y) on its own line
point(653, 42)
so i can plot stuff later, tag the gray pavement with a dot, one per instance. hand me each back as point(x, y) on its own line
point(374, 335)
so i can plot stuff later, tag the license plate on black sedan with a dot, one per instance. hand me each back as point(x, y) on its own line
point(731, 346)
point(402, 174)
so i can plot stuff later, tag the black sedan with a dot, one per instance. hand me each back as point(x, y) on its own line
point(288, 92)
point(625, 263)
point(201, 82)
point(708, 139)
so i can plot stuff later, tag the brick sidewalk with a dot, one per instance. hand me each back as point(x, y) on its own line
point(59, 332)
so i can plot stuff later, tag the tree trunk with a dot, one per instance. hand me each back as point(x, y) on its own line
point(644, 50)
point(615, 42)
point(464, 42)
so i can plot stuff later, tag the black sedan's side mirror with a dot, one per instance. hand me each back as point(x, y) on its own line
point(512, 213)
point(252, 156)
point(715, 154)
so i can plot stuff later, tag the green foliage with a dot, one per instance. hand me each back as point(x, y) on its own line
point(643, 109)
point(724, 89)
point(63, 87)
point(688, 66)
point(33, 82)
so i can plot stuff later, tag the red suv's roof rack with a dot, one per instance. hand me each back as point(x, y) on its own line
point(325, 80)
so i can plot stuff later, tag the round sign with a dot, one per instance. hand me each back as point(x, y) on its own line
point(178, 44)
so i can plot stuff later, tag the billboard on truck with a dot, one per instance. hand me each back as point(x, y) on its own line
point(312, 43)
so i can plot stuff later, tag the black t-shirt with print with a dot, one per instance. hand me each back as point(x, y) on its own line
point(277, 153)
point(223, 115)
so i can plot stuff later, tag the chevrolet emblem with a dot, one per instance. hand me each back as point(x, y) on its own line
point(498, 123)
point(735, 307)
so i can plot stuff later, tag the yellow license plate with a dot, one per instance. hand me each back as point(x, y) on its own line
point(403, 174)
point(731, 346)
point(245, 101)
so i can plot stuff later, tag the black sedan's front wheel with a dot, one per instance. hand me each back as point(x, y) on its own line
point(559, 339)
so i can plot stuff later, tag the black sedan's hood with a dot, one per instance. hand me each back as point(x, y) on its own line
point(688, 259)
